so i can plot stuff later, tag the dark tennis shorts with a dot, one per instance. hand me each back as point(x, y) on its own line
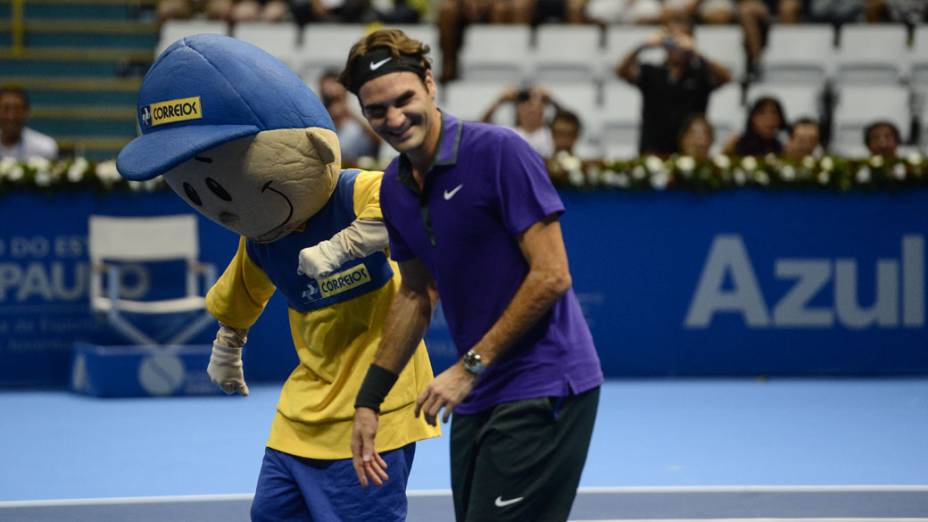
point(521, 460)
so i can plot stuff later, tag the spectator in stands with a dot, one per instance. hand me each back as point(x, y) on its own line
point(355, 136)
point(882, 138)
point(455, 15)
point(765, 121)
point(567, 11)
point(16, 140)
point(624, 11)
point(359, 11)
point(755, 17)
point(805, 138)
point(186, 9)
point(697, 138)
point(910, 12)
point(259, 11)
point(839, 12)
point(565, 131)
point(530, 116)
point(401, 11)
point(673, 90)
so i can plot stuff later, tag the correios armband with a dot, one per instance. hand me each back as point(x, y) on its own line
point(377, 384)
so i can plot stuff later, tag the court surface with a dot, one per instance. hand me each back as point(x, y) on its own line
point(849, 450)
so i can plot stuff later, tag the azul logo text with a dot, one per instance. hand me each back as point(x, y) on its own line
point(899, 296)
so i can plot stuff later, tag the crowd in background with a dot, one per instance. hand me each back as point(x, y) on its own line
point(675, 93)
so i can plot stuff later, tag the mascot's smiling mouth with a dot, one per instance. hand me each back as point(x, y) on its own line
point(280, 230)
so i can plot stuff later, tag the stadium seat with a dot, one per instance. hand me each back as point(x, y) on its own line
point(620, 120)
point(798, 100)
point(325, 46)
point(724, 44)
point(470, 100)
point(726, 112)
point(872, 55)
point(859, 106)
point(174, 30)
point(580, 98)
point(495, 53)
point(278, 39)
point(115, 240)
point(583, 100)
point(919, 61)
point(798, 54)
point(562, 54)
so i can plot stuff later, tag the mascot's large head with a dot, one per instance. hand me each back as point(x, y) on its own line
point(236, 134)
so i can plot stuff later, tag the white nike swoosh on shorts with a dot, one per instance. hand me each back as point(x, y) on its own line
point(503, 503)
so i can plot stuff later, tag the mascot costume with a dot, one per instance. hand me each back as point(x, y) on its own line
point(242, 140)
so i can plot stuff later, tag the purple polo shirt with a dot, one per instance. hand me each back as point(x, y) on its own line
point(485, 187)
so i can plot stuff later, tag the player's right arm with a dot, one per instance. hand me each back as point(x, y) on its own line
point(406, 323)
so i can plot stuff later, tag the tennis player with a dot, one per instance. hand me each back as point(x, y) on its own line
point(473, 219)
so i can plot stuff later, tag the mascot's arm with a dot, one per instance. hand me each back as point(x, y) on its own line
point(236, 300)
point(364, 236)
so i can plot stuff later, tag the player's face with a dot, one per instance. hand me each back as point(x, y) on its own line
point(400, 108)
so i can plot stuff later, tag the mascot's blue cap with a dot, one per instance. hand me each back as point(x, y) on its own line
point(206, 90)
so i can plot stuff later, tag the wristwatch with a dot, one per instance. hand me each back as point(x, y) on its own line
point(473, 364)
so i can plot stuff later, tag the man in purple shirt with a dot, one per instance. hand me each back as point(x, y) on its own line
point(473, 219)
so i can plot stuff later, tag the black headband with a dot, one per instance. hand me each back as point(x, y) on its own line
point(380, 61)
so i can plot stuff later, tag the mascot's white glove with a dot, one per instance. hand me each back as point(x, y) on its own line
point(225, 363)
point(360, 239)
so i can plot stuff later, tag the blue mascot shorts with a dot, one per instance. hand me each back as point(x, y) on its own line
point(295, 489)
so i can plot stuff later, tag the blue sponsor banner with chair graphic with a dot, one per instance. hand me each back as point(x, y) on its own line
point(731, 283)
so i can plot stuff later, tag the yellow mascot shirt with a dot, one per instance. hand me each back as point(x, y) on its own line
point(336, 326)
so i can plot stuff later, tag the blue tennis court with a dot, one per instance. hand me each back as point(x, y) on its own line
point(825, 450)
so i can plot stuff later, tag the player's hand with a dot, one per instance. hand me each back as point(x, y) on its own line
point(368, 464)
point(225, 361)
point(448, 390)
point(319, 260)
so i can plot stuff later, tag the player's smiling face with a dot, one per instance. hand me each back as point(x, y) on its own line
point(401, 108)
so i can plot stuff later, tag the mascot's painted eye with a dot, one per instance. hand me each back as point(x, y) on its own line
point(218, 190)
point(192, 194)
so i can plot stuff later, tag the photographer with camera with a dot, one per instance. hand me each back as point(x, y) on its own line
point(673, 90)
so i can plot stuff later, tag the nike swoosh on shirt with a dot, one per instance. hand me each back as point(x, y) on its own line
point(503, 503)
point(450, 193)
point(376, 65)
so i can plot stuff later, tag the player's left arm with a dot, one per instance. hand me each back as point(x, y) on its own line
point(547, 280)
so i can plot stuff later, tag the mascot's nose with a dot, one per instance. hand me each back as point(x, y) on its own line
point(228, 218)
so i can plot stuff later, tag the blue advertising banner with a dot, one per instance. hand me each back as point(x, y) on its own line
point(752, 283)
point(731, 283)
